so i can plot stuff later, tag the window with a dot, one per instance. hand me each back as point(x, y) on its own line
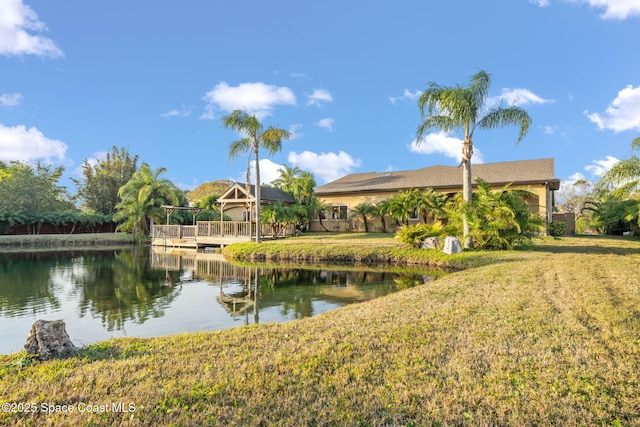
point(336, 213)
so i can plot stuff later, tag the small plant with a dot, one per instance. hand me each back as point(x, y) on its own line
point(415, 235)
point(557, 228)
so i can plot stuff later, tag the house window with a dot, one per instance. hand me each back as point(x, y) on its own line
point(336, 213)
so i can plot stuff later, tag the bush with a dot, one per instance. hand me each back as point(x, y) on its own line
point(557, 228)
point(415, 235)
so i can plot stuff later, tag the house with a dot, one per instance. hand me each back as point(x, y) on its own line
point(343, 194)
point(240, 205)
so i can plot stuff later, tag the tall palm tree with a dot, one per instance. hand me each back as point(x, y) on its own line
point(254, 137)
point(462, 108)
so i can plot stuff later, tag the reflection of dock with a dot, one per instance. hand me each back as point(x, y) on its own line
point(201, 264)
point(213, 267)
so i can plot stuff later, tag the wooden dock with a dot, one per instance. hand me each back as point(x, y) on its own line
point(202, 234)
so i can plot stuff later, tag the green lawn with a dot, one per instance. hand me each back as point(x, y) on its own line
point(545, 337)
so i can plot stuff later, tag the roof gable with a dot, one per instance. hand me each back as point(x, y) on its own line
point(238, 193)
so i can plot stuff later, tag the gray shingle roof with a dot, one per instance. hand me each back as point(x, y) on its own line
point(517, 172)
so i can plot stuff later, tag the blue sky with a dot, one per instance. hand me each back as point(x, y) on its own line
point(157, 76)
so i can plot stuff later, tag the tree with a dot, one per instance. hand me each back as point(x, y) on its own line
point(142, 199)
point(32, 189)
point(98, 188)
point(287, 179)
point(202, 191)
point(461, 108)
point(365, 210)
point(253, 138)
point(498, 219)
point(625, 175)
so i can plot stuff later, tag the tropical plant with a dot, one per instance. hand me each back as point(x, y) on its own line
point(611, 214)
point(415, 235)
point(463, 108)
point(498, 219)
point(253, 138)
point(364, 210)
point(382, 210)
point(316, 208)
point(401, 207)
point(142, 200)
point(279, 216)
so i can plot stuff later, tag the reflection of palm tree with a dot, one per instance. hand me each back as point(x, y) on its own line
point(124, 288)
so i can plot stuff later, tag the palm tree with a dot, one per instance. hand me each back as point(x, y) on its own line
point(364, 209)
point(253, 138)
point(142, 199)
point(625, 175)
point(382, 209)
point(461, 108)
point(287, 179)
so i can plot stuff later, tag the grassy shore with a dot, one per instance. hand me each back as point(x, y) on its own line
point(63, 240)
point(544, 337)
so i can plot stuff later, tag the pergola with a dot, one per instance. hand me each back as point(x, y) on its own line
point(171, 209)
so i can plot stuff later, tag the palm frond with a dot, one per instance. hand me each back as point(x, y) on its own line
point(500, 117)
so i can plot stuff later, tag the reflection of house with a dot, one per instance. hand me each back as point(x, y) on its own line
point(343, 194)
point(238, 204)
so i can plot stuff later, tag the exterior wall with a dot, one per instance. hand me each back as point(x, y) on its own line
point(540, 203)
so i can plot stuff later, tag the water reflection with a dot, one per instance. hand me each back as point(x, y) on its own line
point(143, 292)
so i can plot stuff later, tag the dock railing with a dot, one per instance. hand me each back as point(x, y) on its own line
point(203, 229)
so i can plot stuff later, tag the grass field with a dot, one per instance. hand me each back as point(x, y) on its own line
point(544, 337)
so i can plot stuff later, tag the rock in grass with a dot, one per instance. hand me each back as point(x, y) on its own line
point(49, 339)
point(452, 245)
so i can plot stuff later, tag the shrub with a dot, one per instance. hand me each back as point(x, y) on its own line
point(415, 235)
point(557, 228)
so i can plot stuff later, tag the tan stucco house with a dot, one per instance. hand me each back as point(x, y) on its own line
point(343, 194)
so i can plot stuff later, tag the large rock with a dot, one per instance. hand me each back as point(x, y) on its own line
point(430, 243)
point(452, 245)
point(49, 339)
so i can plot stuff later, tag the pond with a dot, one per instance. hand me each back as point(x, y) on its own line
point(143, 292)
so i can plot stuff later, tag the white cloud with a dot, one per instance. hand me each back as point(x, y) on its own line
point(325, 124)
point(575, 177)
point(319, 97)
point(256, 98)
point(294, 130)
point(16, 22)
point(519, 95)
point(325, 166)
point(442, 143)
point(622, 114)
point(10, 99)
point(268, 172)
point(411, 96)
point(20, 143)
point(599, 167)
point(614, 9)
point(541, 3)
point(177, 113)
